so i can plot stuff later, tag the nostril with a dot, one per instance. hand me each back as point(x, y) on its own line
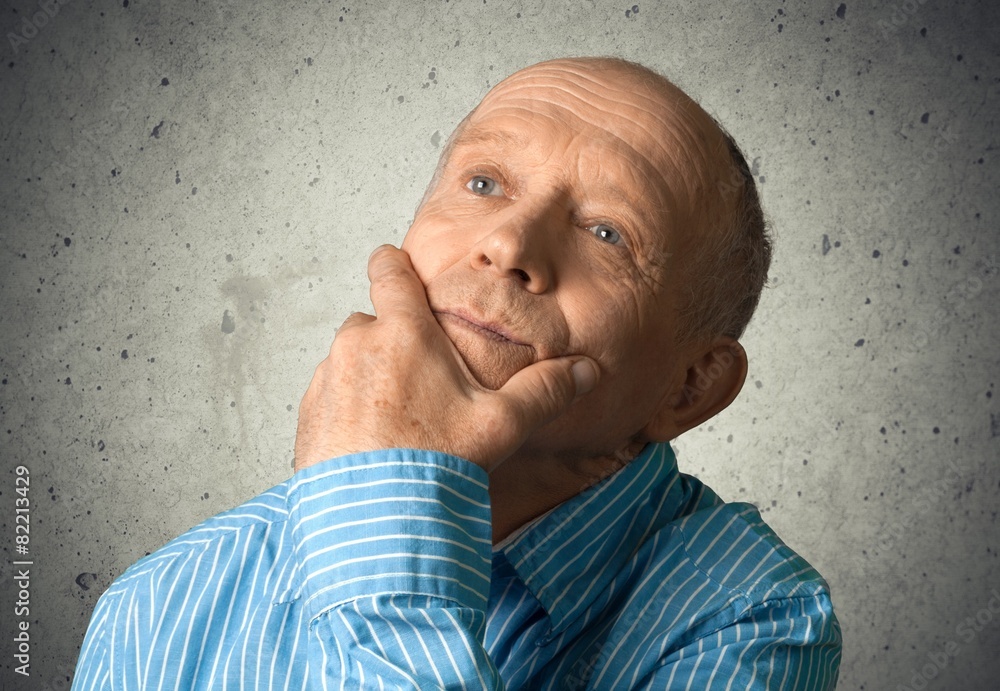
point(523, 275)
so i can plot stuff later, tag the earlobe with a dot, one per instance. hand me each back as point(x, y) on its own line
point(710, 384)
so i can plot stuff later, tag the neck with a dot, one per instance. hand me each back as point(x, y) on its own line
point(528, 484)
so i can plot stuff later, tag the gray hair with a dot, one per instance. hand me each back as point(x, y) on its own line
point(730, 268)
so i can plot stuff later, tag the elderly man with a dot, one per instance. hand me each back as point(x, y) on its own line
point(484, 493)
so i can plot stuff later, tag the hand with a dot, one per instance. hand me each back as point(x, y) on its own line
point(395, 380)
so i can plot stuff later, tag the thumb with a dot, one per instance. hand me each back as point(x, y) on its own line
point(540, 392)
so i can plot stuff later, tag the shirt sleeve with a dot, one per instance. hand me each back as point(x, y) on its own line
point(789, 644)
point(394, 551)
point(93, 671)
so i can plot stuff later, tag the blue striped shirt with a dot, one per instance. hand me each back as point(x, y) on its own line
point(377, 571)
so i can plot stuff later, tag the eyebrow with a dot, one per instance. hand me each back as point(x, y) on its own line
point(495, 138)
point(518, 141)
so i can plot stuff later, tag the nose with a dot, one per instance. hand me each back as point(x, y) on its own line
point(519, 246)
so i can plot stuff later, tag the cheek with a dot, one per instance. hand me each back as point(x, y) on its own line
point(604, 322)
point(432, 249)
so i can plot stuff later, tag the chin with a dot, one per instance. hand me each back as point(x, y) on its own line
point(491, 362)
point(489, 377)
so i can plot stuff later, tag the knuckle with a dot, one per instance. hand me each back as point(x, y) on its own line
point(551, 391)
point(408, 331)
point(505, 414)
point(390, 273)
point(494, 423)
point(354, 320)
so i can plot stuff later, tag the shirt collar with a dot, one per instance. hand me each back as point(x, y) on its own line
point(568, 556)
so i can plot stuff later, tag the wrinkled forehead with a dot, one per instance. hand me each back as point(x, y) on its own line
point(602, 99)
point(594, 89)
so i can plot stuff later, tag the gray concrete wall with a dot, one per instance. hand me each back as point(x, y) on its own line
point(189, 192)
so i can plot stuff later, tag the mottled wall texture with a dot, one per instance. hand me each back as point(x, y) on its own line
point(189, 192)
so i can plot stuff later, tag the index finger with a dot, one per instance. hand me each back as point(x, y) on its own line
point(395, 286)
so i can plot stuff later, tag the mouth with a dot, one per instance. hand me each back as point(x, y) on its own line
point(493, 352)
point(493, 332)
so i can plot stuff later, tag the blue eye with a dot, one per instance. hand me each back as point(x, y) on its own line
point(607, 234)
point(480, 184)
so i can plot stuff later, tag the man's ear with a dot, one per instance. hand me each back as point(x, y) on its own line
point(710, 384)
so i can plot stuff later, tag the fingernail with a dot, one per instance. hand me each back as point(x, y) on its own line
point(584, 376)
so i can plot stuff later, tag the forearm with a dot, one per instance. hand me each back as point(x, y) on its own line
point(393, 549)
